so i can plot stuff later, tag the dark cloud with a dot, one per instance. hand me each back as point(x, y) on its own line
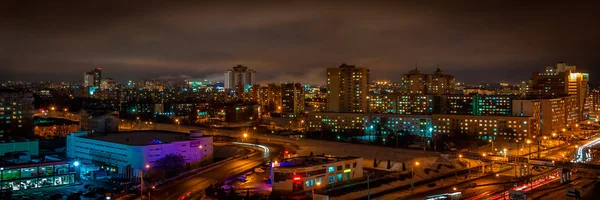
point(294, 41)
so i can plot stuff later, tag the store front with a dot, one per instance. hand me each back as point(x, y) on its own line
point(37, 175)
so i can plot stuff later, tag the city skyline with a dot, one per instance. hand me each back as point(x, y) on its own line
point(294, 42)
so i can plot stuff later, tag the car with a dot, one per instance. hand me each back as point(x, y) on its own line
point(258, 170)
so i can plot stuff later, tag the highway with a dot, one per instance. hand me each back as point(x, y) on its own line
point(193, 188)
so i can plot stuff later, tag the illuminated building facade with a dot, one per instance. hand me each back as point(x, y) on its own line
point(292, 100)
point(17, 177)
point(401, 104)
point(595, 100)
point(561, 80)
point(299, 174)
point(239, 78)
point(476, 104)
point(486, 127)
point(16, 113)
point(125, 154)
point(369, 124)
point(347, 89)
point(552, 115)
point(437, 83)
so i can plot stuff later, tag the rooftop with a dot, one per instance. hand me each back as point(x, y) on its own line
point(141, 138)
point(308, 161)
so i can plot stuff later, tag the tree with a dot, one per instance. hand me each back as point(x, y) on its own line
point(403, 167)
point(172, 164)
point(375, 163)
point(311, 154)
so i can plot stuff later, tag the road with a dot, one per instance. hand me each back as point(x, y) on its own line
point(193, 188)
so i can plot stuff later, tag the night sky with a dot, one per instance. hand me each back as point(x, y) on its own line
point(477, 41)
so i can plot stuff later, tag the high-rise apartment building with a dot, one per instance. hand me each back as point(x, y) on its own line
point(561, 80)
point(239, 78)
point(292, 99)
point(436, 84)
point(595, 100)
point(552, 115)
point(92, 78)
point(269, 97)
point(16, 113)
point(347, 89)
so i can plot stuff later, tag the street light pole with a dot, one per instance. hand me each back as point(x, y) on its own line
point(412, 177)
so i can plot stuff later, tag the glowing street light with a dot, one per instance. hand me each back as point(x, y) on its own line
point(76, 163)
point(200, 147)
point(147, 166)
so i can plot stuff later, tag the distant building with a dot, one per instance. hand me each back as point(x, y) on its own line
point(99, 121)
point(20, 145)
point(125, 154)
point(487, 127)
point(107, 84)
point(240, 77)
point(300, 174)
point(436, 84)
point(292, 100)
point(552, 115)
point(500, 105)
point(16, 113)
point(92, 78)
point(368, 125)
point(402, 104)
point(595, 99)
point(270, 97)
point(561, 80)
point(347, 89)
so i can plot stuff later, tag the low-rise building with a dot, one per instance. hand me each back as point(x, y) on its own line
point(125, 154)
point(487, 127)
point(307, 172)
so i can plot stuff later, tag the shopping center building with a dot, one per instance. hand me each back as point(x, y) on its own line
point(126, 154)
point(308, 172)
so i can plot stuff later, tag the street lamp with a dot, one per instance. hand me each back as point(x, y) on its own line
point(245, 136)
point(412, 170)
point(505, 153)
point(492, 141)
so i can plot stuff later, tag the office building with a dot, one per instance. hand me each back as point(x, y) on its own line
point(16, 113)
point(239, 78)
point(347, 88)
point(436, 84)
point(300, 174)
point(561, 80)
point(292, 100)
point(125, 154)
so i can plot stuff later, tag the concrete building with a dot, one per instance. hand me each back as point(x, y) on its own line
point(92, 78)
point(347, 89)
point(561, 80)
point(595, 100)
point(436, 84)
point(125, 154)
point(401, 104)
point(99, 121)
point(306, 173)
point(552, 115)
point(486, 127)
point(16, 113)
point(368, 125)
point(269, 97)
point(239, 78)
point(292, 100)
